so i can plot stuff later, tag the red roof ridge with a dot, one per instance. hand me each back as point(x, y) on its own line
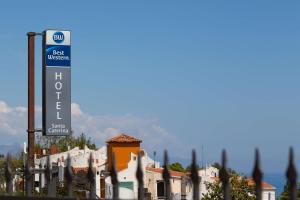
point(160, 170)
point(251, 182)
point(123, 138)
point(78, 169)
point(264, 185)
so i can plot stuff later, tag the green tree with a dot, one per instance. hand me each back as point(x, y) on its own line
point(16, 164)
point(230, 171)
point(285, 194)
point(217, 165)
point(189, 167)
point(64, 142)
point(16, 161)
point(82, 141)
point(176, 167)
point(240, 190)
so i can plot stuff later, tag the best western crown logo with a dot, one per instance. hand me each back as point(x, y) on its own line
point(58, 48)
point(58, 37)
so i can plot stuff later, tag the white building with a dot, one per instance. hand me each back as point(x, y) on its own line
point(211, 174)
point(79, 162)
point(268, 191)
point(123, 146)
point(128, 185)
point(206, 175)
point(154, 183)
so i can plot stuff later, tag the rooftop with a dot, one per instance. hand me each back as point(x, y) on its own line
point(123, 138)
point(264, 185)
point(250, 181)
point(160, 170)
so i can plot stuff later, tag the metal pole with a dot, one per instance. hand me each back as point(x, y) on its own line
point(31, 119)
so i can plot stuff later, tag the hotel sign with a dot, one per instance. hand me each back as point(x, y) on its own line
point(56, 82)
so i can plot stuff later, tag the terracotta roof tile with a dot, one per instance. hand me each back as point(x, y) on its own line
point(215, 178)
point(123, 138)
point(264, 185)
point(160, 170)
point(79, 169)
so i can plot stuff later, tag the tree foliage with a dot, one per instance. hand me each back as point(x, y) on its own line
point(64, 142)
point(285, 194)
point(189, 167)
point(230, 171)
point(16, 164)
point(217, 165)
point(16, 161)
point(240, 190)
point(176, 167)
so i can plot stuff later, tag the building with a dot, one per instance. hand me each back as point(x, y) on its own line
point(211, 174)
point(268, 191)
point(122, 146)
point(126, 150)
point(207, 174)
point(79, 162)
point(154, 183)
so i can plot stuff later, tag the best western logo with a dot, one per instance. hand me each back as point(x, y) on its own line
point(58, 55)
point(58, 37)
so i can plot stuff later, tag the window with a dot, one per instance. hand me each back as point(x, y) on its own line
point(36, 184)
point(269, 196)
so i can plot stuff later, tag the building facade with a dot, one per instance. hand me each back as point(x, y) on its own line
point(125, 150)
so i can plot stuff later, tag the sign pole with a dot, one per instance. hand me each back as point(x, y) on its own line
point(31, 118)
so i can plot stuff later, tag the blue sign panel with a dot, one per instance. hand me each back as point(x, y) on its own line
point(58, 55)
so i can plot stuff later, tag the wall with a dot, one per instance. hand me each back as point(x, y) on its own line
point(265, 195)
point(79, 158)
point(122, 153)
point(151, 179)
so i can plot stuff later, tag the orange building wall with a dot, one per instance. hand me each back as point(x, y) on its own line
point(122, 153)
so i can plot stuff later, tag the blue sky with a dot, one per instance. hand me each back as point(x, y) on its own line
point(217, 74)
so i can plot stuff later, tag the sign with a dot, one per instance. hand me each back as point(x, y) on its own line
point(56, 83)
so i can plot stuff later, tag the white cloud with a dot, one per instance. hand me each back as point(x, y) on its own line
point(4, 108)
point(13, 121)
point(102, 127)
point(76, 109)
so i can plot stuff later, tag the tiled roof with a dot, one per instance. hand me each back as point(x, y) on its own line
point(123, 138)
point(160, 170)
point(215, 178)
point(264, 185)
point(78, 169)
